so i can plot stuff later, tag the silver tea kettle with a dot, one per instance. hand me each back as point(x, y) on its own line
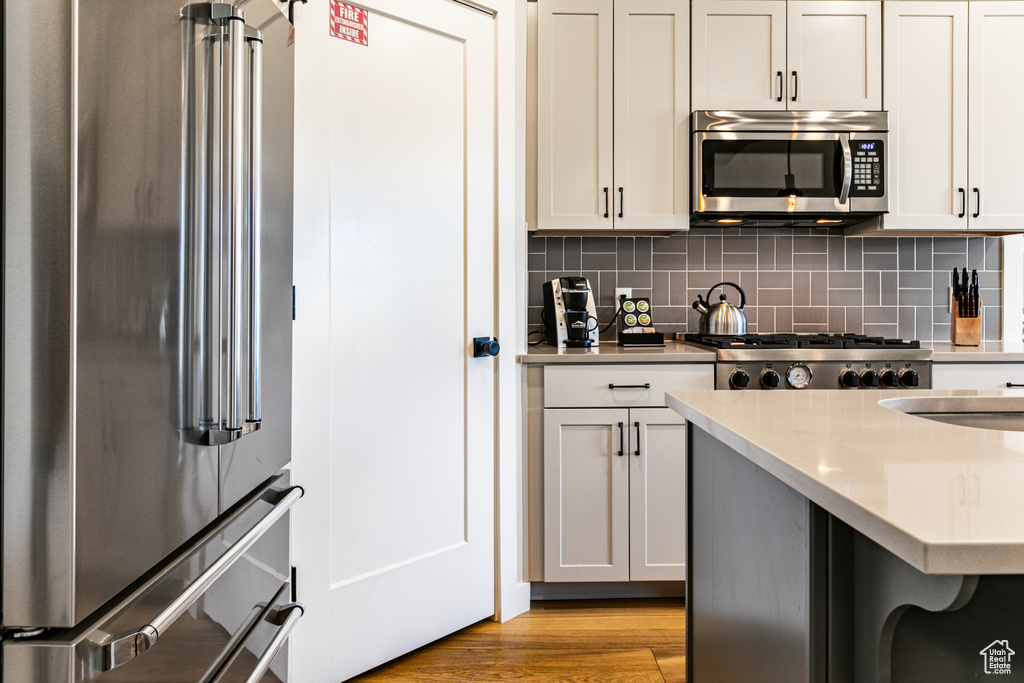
point(723, 317)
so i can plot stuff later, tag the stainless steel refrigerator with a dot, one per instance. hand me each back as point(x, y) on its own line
point(147, 312)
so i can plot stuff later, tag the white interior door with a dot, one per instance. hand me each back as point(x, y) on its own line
point(407, 510)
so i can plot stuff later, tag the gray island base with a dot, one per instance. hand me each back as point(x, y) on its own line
point(780, 588)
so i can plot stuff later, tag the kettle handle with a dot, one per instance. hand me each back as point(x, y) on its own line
point(743, 295)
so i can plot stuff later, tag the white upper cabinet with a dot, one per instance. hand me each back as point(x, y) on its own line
point(995, 83)
point(739, 54)
point(834, 55)
point(612, 115)
point(774, 55)
point(926, 96)
point(954, 87)
point(574, 114)
point(652, 114)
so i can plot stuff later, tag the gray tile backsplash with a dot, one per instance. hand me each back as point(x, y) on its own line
point(797, 280)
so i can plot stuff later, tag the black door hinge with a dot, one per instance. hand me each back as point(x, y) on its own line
point(291, 10)
point(293, 302)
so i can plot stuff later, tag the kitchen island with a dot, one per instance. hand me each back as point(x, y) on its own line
point(835, 538)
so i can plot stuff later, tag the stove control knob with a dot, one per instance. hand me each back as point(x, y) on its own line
point(869, 378)
point(849, 379)
point(770, 379)
point(739, 380)
point(889, 378)
point(909, 378)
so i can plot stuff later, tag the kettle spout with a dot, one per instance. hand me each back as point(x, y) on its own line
point(700, 305)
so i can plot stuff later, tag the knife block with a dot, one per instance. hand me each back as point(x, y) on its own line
point(965, 331)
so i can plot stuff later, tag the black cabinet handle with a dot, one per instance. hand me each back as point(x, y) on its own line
point(621, 447)
point(637, 425)
point(779, 75)
point(1010, 385)
point(630, 386)
point(606, 202)
point(963, 203)
point(621, 203)
point(794, 86)
point(978, 212)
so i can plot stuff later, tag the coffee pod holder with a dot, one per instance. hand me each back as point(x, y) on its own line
point(964, 330)
point(636, 327)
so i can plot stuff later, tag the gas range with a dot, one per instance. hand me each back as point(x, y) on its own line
point(816, 361)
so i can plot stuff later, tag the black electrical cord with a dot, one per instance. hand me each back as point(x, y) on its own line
point(612, 321)
point(539, 341)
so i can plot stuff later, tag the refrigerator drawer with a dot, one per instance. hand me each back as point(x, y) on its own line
point(219, 611)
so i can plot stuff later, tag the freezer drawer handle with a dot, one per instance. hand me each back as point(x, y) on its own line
point(288, 617)
point(124, 647)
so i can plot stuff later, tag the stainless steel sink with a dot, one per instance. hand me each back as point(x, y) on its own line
point(1005, 413)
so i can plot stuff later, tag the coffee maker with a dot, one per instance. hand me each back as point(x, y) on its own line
point(570, 315)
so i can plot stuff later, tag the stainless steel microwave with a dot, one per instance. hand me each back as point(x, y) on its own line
point(828, 169)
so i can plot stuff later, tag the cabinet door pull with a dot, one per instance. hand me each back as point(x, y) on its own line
point(794, 87)
point(621, 443)
point(622, 203)
point(978, 211)
point(1010, 385)
point(606, 202)
point(778, 74)
point(637, 425)
point(630, 386)
point(963, 202)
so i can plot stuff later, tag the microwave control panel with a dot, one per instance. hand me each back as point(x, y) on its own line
point(868, 168)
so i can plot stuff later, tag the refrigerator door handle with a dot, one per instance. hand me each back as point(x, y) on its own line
point(224, 161)
point(236, 148)
point(255, 193)
point(124, 647)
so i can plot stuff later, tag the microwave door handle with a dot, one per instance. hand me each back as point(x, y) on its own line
point(844, 192)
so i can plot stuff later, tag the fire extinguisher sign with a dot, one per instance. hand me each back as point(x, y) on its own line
point(350, 23)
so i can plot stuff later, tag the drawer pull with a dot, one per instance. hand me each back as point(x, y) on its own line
point(630, 386)
point(124, 647)
point(288, 617)
point(1011, 384)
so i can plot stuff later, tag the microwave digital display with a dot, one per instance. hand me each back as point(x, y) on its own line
point(866, 145)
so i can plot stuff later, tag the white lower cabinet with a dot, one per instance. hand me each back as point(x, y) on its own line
point(614, 494)
point(977, 375)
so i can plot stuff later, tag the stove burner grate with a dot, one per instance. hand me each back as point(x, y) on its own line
point(800, 341)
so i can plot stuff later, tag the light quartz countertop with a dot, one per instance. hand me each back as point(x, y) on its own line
point(988, 352)
point(946, 499)
point(611, 352)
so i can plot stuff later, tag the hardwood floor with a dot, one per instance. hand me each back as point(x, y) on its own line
point(571, 641)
